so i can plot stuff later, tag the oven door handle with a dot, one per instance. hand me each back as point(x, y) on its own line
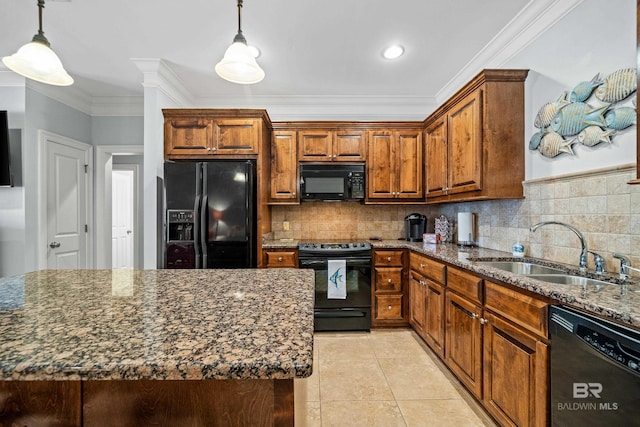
point(344, 312)
point(351, 262)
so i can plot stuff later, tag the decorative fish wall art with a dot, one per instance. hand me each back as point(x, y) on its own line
point(586, 115)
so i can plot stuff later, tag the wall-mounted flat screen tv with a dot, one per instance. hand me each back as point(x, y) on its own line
point(6, 178)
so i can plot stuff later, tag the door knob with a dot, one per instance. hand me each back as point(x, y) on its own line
point(54, 245)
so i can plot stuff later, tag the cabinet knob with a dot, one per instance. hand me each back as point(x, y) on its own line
point(483, 321)
point(208, 148)
point(422, 266)
point(389, 281)
point(214, 149)
point(388, 259)
point(389, 308)
point(279, 259)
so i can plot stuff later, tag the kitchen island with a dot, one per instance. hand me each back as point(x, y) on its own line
point(154, 347)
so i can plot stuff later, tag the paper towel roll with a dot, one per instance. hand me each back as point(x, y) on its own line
point(466, 228)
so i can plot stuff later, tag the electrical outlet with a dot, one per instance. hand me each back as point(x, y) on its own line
point(285, 225)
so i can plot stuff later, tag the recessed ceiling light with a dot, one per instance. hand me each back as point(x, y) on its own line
point(393, 51)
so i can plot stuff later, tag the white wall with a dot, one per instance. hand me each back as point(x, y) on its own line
point(12, 221)
point(596, 37)
point(109, 130)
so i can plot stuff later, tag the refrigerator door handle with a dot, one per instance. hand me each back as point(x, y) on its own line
point(196, 232)
point(204, 209)
point(203, 230)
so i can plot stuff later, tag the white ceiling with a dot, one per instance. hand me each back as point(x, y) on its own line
point(309, 47)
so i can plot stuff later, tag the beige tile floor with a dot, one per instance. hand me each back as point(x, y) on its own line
point(382, 378)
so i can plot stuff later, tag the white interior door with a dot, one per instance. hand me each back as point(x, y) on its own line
point(67, 207)
point(122, 232)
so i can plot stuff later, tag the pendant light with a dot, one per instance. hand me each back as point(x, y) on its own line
point(239, 63)
point(37, 61)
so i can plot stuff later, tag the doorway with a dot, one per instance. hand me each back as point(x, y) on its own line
point(108, 159)
point(124, 224)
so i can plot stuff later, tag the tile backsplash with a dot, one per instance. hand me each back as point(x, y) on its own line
point(600, 204)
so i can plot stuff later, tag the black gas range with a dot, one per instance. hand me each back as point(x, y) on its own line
point(343, 284)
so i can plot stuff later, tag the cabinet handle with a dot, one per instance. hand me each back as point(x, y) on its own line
point(483, 321)
point(279, 259)
point(423, 283)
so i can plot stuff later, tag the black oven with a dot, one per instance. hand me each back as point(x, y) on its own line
point(333, 181)
point(353, 312)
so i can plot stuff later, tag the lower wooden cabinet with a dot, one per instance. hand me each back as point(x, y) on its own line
point(434, 333)
point(515, 371)
point(389, 289)
point(463, 352)
point(418, 303)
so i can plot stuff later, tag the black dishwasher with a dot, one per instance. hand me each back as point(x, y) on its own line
point(595, 371)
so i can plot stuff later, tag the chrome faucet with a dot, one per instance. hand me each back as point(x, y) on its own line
point(625, 265)
point(583, 242)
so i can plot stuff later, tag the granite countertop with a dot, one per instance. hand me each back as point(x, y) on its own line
point(157, 324)
point(619, 301)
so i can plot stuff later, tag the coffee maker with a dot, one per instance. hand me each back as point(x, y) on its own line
point(415, 225)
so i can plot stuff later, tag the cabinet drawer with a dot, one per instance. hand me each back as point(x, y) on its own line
point(465, 284)
point(281, 259)
point(387, 258)
point(389, 307)
point(524, 310)
point(429, 268)
point(388, 279)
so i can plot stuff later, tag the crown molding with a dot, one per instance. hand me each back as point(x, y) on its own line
point(71, 96)
point(529, 24)
point(157, 74)
point(9, 78)
point(117, 106)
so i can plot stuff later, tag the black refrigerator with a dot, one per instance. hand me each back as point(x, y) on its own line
point(210, 219)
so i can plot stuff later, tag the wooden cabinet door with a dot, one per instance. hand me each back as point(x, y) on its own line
point(515, 374)
point(463, 342)
point(188, 136)
point(381, 165)
point(284, 167)
point(434, 324)
point(417, 303)
point(349, 146)
point(408, 153)
point(237, 136)
point(436, 161)
point(465, 145)
point(315, 145)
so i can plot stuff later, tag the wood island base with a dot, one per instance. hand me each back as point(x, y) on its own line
point(251, 402)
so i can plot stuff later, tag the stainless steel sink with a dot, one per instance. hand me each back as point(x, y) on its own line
point(568, 279)
point(522, 268)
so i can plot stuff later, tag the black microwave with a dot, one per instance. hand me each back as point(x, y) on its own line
point(332, 181)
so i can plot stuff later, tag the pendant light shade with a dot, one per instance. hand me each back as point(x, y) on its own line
point(36, 60)
point(239, 63)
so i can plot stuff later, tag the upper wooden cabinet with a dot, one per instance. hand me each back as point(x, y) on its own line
point(201, 133)
point(284, 168)
point(394, 165)
point(329, 146)
point(475, 140)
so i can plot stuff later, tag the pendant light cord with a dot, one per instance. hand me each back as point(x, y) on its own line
point(40, 38)
point(239, 37)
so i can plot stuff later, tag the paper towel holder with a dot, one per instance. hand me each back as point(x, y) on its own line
point(466, 229)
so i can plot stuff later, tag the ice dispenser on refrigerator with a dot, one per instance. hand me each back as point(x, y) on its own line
point(180, 244)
